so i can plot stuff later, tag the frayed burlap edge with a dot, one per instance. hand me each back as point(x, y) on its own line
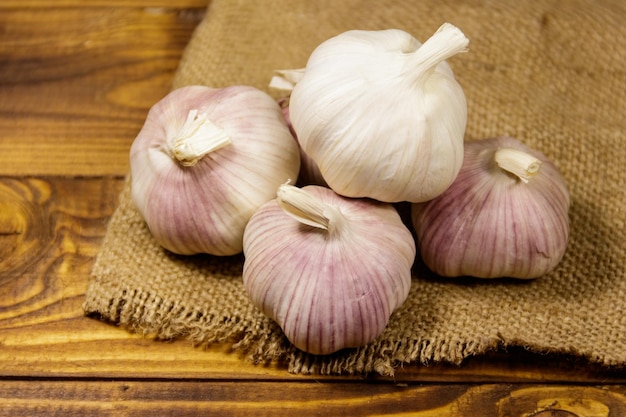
point(215, 309)
point(116, 295)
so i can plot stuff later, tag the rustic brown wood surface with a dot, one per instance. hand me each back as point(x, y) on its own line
point(76, 81)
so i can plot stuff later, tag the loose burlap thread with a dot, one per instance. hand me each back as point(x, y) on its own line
point(548, 72)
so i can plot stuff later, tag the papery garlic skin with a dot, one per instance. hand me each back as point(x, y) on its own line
point(202, 206)
point(334, 287)
point(309, 171)
point(491, 223)
point(382, 114)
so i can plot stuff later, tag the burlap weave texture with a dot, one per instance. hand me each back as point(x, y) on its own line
point(550, 73)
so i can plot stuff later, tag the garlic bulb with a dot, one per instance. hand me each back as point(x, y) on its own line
point(205, 160)
point(328, 269)
point(381, 114)
point(505, 215)
point(309, 171)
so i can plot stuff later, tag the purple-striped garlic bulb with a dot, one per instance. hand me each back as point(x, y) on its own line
point(328, 269)
point(505, 215)
point(205, 160)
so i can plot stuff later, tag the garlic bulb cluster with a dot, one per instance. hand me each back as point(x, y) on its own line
point(205, 160)
point(381, 114)
point(328, 269)
point(375, 118)
point(505, 215)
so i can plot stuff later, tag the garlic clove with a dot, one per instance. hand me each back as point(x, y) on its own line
point(505, 215)
point(203, 163)
point(328, 269)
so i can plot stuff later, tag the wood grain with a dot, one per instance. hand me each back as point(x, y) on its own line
point(76, 83)
point(46, 4)
point(76, 80)
point(237, 398)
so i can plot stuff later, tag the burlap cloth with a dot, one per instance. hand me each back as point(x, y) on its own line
point(548, 72)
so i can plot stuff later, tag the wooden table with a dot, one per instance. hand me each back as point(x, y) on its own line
point(76, 81)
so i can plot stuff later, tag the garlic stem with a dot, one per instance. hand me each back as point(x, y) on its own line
point(285, 80)
point(443, 44)
point(197, 137)
point(307, 209)
point(518, 163)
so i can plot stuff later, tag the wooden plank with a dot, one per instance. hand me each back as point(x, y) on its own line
point(242, 398)
point(79, 348)
point(46, 4)
point(76, 83)
point(77, 78)
point(50, 233)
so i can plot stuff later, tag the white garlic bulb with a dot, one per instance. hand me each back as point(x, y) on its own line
point(328, 269)
point(381, 114)
point(205, 160)
point(505, 215)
